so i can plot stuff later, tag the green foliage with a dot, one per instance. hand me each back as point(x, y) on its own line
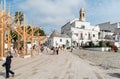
point(107, 44)
point(101, 43)
point(39, 31)
point(42, 33)
point(19, 16)
point(14, 35)
point(91, 44)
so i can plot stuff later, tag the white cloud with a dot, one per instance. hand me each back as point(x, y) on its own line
point(55, 12)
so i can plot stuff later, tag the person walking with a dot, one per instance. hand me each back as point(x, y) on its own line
point(71, 48)
point(57, 50)
point(8, 65)
point(53, 50)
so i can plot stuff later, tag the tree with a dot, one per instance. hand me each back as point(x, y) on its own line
point(38, 30)
point(42, 33)
point(19, 16)
point(14, 35)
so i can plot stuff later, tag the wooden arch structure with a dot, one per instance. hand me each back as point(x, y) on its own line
point(6, 25)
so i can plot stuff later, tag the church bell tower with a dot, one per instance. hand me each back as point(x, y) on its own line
point(82, 14)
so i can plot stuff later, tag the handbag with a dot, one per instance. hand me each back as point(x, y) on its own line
point(4, 64)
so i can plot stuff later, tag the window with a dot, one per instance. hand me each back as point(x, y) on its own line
point(76, 34)
point(82, 27)
point(60, 40)
point(81, 36)
point(99, 35)
point(83, 15)
point(89, 36)
point(93, 35)
point(67, 41)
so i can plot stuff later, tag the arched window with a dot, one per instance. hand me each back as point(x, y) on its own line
point(93, 35)
point(89, 36)
point(99, 35)
point(81, 36)
point(83, 15)
point(82, 27)
point(60, 40)
point(67, 42)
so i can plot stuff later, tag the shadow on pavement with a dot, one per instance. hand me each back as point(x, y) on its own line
point(117, 75)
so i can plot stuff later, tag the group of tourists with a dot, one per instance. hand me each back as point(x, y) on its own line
point(55, 50)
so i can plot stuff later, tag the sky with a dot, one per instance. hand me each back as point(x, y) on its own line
point(53, 14)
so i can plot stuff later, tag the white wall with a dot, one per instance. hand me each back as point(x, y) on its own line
point(85, 34)
point(57, 42)
point(79, 24)
point(117, 44)
point(74, 30)
point(50, 42)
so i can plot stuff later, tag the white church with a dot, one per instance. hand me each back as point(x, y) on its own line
point(80, 30)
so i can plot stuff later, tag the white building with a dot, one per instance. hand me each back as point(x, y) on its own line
point(117, 35)
point(111, 31)
point(56, 39)
point(108, 28)
point(80, 30)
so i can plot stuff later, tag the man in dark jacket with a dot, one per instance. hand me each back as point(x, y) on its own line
point(57, 50)
point(8, 65)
